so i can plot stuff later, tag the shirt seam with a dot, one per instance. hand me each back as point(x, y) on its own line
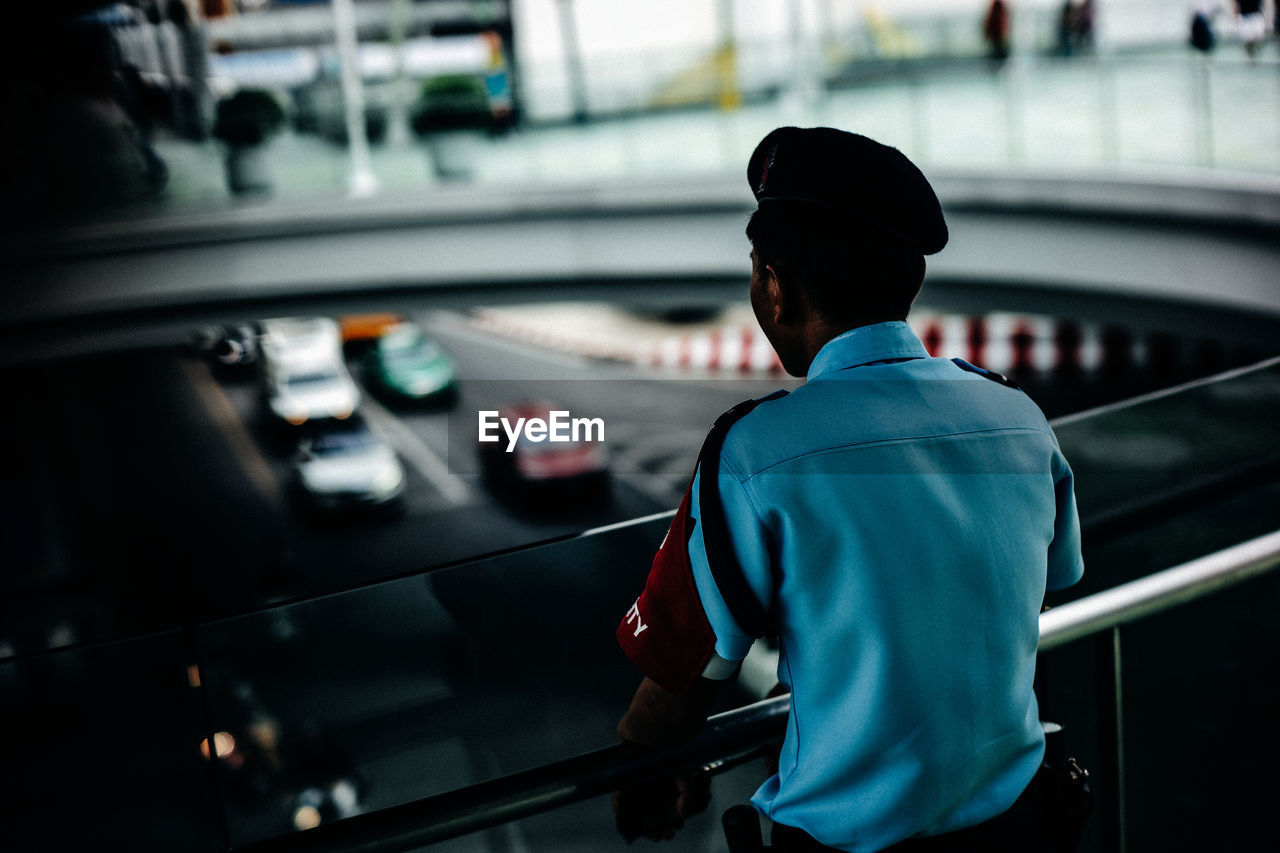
point(748, 492)
point(883, 442)
point(795, 717)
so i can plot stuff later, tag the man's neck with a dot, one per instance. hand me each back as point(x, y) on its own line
point(821, 332)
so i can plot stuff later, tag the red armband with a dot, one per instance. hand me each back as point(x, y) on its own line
point(666, 633)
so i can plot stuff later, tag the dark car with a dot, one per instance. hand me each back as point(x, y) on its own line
point(234, 345)
point(342, 466)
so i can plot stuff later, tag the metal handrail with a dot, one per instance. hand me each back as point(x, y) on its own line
point(727, 740)
point(735, 736)
point(1160, 591)
point(1101, 616)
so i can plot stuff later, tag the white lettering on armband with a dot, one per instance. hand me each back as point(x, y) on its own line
point(633, 615)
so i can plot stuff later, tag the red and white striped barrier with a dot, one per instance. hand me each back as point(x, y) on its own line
point(1023, 344)
point(1019, 345)
point(731, 349)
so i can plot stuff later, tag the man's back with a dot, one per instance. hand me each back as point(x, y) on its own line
point(903, 516)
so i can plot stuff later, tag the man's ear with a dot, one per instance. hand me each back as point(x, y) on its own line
point(781, 296)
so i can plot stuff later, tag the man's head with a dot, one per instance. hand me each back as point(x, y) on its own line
point(838, 238)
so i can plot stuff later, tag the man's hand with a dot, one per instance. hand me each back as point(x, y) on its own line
point(658, 808)
point(658, 719)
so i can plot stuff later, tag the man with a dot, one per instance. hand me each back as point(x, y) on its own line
point(1252, 25)
point(995, 29)
point(896, 522)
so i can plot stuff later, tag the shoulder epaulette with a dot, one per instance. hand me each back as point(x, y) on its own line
point(987, 374)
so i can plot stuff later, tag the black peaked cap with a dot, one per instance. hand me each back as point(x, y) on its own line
point(870, 183)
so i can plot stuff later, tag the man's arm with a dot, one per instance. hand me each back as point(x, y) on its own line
point(682, 635)
point(1066, 564)
point(658, 718)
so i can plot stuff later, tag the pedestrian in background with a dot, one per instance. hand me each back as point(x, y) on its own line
point(995, 29)
point(1066, 28)
point(1075, 27)
point(1082, 33)
point(1251, 25)
point(1203, 13)
point(197, 100)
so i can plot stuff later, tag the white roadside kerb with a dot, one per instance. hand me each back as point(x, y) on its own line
point(559, 427)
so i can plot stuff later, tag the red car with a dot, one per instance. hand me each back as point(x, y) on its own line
point(565, 461)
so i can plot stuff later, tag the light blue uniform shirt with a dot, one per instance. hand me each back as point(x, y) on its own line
point(914, 514)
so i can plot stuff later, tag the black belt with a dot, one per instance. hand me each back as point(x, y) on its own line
point(1024, 828)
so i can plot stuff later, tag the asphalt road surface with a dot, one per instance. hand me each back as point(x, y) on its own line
point(172, 494)
point(163, 491)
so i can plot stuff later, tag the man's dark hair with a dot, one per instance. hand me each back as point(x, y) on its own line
point(851, 272)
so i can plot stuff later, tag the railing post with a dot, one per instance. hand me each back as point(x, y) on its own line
point(919, 117)
point(1015, 83)
point(1202, 112)
point(1108, 109)
point(1111, 740)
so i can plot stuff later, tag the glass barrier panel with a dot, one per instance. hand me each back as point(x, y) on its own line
point(103, 750)
point(1129, 454)
point(378, 696)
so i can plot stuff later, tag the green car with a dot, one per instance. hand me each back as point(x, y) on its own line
point(407, 365)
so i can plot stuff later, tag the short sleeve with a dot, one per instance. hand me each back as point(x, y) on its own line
point(1066, 564)
point(751, 549)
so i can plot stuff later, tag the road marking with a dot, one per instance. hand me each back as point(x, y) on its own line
point(224, 415)
point(452, 487)
point(676, 451)
point(657, 488)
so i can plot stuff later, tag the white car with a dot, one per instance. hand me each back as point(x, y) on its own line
point(305, 376)
point(343, 466)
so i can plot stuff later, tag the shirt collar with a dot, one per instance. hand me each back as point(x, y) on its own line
point(867, 344)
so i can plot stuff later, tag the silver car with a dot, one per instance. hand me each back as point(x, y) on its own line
point(343, 466)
